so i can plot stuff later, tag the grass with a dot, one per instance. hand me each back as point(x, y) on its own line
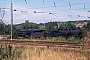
point(20, 52)
point(25, 52)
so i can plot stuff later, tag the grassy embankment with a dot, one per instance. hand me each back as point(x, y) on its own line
point(20, 52)
point(26, 52)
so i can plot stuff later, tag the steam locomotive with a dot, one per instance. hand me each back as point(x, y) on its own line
point(52, 33)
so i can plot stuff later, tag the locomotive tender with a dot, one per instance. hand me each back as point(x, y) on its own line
point(66, 33)
point(52, 33)
point(31, 33)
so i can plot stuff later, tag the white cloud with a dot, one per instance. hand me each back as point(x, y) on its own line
point(23, 13)
point(84, 13)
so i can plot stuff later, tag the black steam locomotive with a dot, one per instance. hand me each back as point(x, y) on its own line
point(31, 33)
point(52, 33)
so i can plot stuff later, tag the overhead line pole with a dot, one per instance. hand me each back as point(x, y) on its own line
point(11, 19)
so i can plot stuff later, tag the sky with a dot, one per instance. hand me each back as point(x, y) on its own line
point(43, 11)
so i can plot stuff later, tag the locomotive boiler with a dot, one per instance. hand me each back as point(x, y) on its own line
point(52, 33)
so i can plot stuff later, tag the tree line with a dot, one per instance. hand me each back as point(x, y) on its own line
point(5, 29)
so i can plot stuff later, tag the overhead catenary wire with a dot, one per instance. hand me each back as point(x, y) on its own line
point(57, 5)
point(0, 9)
point(70, 4)
point(64, 1)
point(84, 6)
point(2, 14)
point(43, 1)
point(54, 4)
point(26, 1)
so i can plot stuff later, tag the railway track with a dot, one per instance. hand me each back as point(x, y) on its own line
point(41, 43)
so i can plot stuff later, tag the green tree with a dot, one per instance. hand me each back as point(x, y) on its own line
point(70, 25)
point(64, 25)
point(49, 26)
point(86, 29)
point(1, 29)
point(25, 25)
point(7, 29)
point(28, 25)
